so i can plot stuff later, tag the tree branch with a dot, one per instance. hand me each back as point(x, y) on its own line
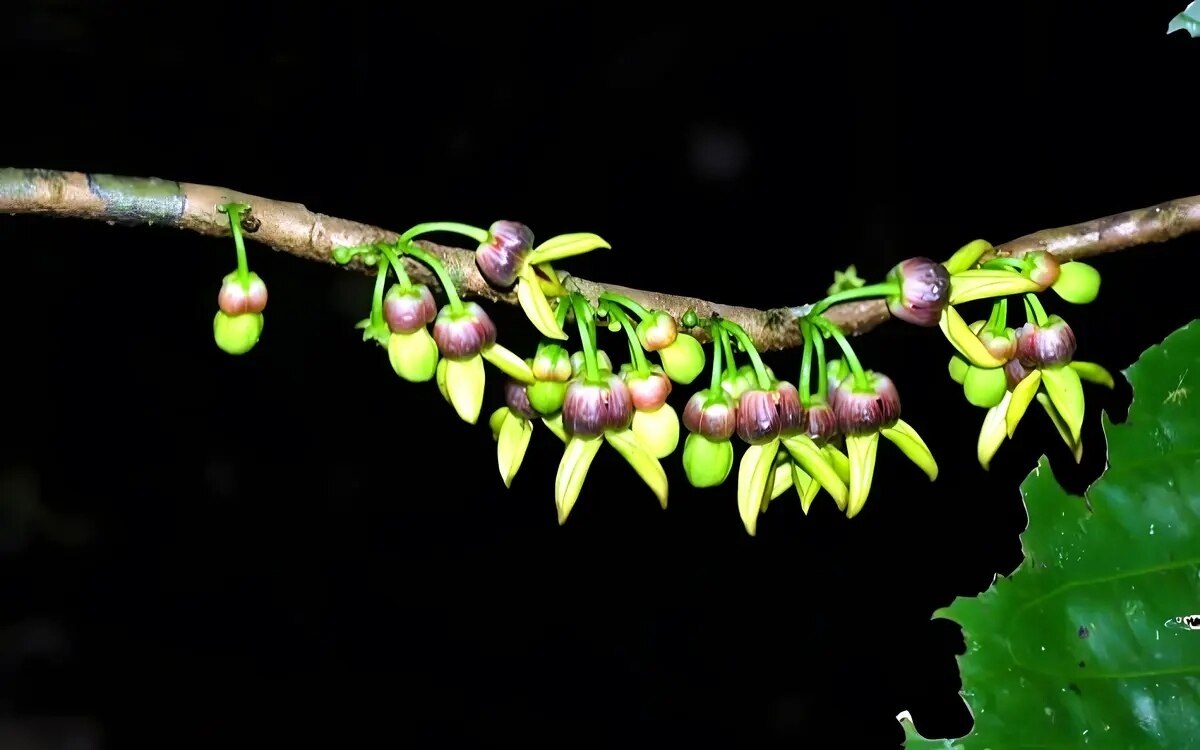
point(292, 228)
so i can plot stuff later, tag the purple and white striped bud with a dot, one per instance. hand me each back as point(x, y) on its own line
point(861, 413)
point(712, 414)
point(758, 419)
point(235, 299)
point(821, 423)
point(1015, 372)
point(924, 291)
point(517, 399)
point(407, 309)
point(465, 334)
point(1045, 346)
point(648, 391)
point(791, 411)
point(591, 408)
point(500, 258)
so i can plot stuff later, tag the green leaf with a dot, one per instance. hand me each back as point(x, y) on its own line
point(1188, 20)
point(1073, 649)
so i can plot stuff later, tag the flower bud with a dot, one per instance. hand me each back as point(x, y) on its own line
point(413, 356)
point(821, 423)
point(985, 388)
point(1000, 345)
point(591, 408)
point(517, 399)
point(657, 331)
point(758, 419)
point(1045, 346)
point(861, 413)
point(1015, 372)
point(546, 396)
point(1043, 268)
point(712, 414)
point(657, 431)
point(408, 308)
point(744, 378)
point(579, 363)
point(924, 291)
point(235, 299)
point(1078, 283)
point(237, 334)
point(552, 362)
point(791, 412)
point(500, 258)
point(463, 335)
point(706, 462)
point(683, 359)
point(648, 391)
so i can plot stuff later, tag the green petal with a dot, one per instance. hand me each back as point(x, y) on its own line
point(441, 379)
point(992, 433)
point(813, 461)
point(757, 466)
point(985, 387)
point(958, 369)
point(464, 382)
point(565, 246)
point(861, 450)
point(1066, 393)
point(959, 334)
point(496, 421)
point(1093, 373)
point(510, 448)
point(967, 256)
point(646, 465)
point(572, 470)
point(806, 486)
point(1064, 430)
point(839, 462)
point(536, 306)
point(1078, 283)
point(555, 425)
point(548, 281)
point(904, 437)
point(982, 283)
point(657, 431)
point(1022, 397)
point(508, 363)
point(413, 356)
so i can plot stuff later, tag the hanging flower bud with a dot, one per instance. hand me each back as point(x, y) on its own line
point(552, 362)
point(860, 413)
point(413, 356)
point(579, 363)
point(923, 291)
point(791, 411)
point(657, 331)
point(237, 334)
point(1015, 372)
point(517, 399)
point(408, 308)
point(1043, 268)
point(1045, 346)
point(683, 359)
point(235, 299)
point(1002, 346)
point(546, 396)
point(500, 258)
point(1078, 283)
point(712, 414)
point(743, 379)
point(463, 335)
point(706, 462)
point(821, 423)
point(648, 391)
point(590, 409)
point(758, 419)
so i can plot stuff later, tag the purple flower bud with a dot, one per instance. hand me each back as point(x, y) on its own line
point(1043, 267)
point(1015, 372)
point(590, 408)
point(235, 299)
point(648, 391)
point(517, 399)
point(821, 423)
point(758, 419)
point(552, 363)
point(1001, 346)
point(860, 413)
point(1045, 346)
point(924, 291)
point(657, 331)
point(791, 411)
point(712, 414)
point(407, 309)
point(501, 257)
point(463, 335)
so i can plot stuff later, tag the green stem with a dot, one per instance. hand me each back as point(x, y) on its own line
point(627, 303)
point(862, 383)
point(760, 370)
point(730, 362)
point(822, 367)
point(397, 265)
point(456, 305)
point(582, 317)
point(994, 318)
point(997, 264)
point(806, 362)
point(560, 312)
point(882, 289)
point(640, 363)
point(1001, 317)
point(718, 345)
point(1039, 312)
point(377, 299)
point(234, 211)
point(475, 233)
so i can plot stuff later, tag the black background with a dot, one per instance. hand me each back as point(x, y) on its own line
point(201, 549)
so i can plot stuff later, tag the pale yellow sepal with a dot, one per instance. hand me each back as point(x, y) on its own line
point(657, 431)
point(511, 446)
point(1021, 397)
point(414, 356)
point(959, 334)
point(646, 465)
point(441, 380)
point(496, 421)
point(992, 433)
point(555, 425)
point(861, 450)
point(565, 246)
point(806, 487)
point(983, 283)
point(904, 437)
point(536, 306)
point(1064, 431)
point(508, 363)
point(815, 463)
point(1093, 373)
point(464, 382)
point(1065, 390)
point(572, 470)
point(549, 281)
point(781, 481)
point(967, 256)
point(839, 462)
point(754, 471)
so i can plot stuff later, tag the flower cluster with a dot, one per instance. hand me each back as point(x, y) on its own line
point(243, 296)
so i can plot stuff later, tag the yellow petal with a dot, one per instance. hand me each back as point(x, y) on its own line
point(756, 467)
point(816, 465)
point(548, 280)
point(861, 450)
point(992, 433)
point(967, 256)
point(464, 382)
point(555, 425)
point(904, 437)
point(441, 379)
point(782, 480)
point(806, 486)
point(572, 470)
point(1093, 373)
point(1022, 397)
point(1066, 393)
point(508, 363)
point(496, 421)
point(565, 246)
point(536, 306)
point(657, 431)
point(959, 334)
point(1064, 431)
point(982, 283)
point(646, 465)
point(511, 446)
point(839, 462)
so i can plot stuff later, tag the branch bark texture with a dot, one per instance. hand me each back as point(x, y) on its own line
point(292, 228)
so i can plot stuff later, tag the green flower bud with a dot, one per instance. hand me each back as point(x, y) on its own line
point(1078, 283)
point(552, 362)
point(985, 387)
point(579, 363)
point(1043, 268)
point(683, 360)
point(706, 462)
point(414, 356)
point(657, 430)
point(237, 334)
point(958, 369)
point(546, 396)
point(744, 379)
point(657, 331)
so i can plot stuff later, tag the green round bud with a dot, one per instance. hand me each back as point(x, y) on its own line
point(657, 431)
point(744, 379)
point(546, 396)
point(690, 319)
point(985, 387)
point(1078, 283)
point(706, 462)
point(958, 369)
point(552, 362)
point(414, 356)
point(683, 360)
point(237, 334)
